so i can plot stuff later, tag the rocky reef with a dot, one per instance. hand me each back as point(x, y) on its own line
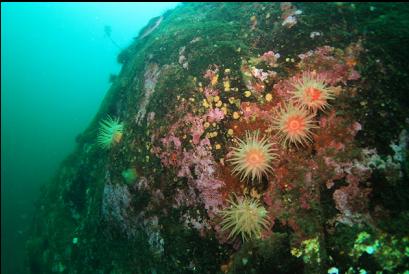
point(242, 138)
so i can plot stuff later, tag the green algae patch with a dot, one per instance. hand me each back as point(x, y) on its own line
point(130, 175)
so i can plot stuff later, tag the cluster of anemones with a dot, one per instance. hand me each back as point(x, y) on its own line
point(252, 159)
point(295, 119)
point(253, 156)
point(293, 122)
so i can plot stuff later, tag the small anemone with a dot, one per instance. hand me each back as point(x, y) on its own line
point(110, 132)
point(311, 91)
point(245, 217)
point(293, 125)
point(252, 158)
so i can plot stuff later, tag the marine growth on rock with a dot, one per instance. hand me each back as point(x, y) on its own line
point(249, 139)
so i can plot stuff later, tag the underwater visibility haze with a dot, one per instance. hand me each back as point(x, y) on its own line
point(56, 61)
point(249, 137)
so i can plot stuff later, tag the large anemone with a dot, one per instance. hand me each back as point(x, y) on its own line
point(252, 158)
point(293, 125)
point(110, 132)
point(245, 217)
point(311, 91)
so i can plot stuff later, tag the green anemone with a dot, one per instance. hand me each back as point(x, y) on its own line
point(110, 132)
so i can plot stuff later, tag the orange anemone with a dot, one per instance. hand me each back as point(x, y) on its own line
point(312, 92)
point(293, 125)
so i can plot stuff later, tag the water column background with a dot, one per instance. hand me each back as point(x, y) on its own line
point(56, 60)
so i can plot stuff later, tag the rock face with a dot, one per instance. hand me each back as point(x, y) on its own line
point(311, 98)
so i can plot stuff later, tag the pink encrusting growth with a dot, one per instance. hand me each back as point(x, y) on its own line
point(195, 163)
point(334, 65)
point(215, 115)
point(252, 111)
point(270, 58)
point(204, 179)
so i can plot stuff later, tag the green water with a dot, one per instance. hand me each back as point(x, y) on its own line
point(56, 59)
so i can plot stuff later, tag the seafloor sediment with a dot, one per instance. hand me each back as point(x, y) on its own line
point(242, 138)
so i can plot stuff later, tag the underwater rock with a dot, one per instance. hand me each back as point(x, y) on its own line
point(150, 79)
point(150, 28)
point(326, 116)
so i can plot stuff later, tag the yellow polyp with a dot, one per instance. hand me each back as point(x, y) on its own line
point(231, 100)
point(237, 102)
point(205, 103)
point(217, 146)
point(214, 80)
point(219, 104)
point(254, 193)
point(269, 97)
point(224, 109)
point(247, 93)
point(296, 252)
point(236, 115)
point(216, 99)
point(206, 124)
point(230, 132)
point(118, 137)
point(226, 85)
